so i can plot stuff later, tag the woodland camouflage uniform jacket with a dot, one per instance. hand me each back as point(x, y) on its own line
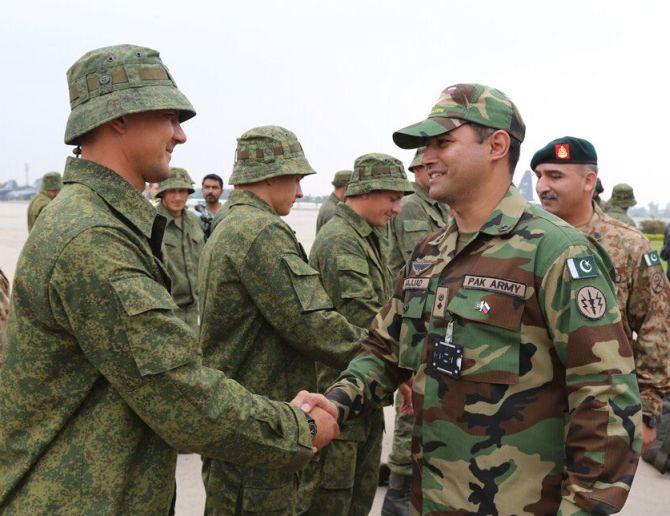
point(644, 297)
point(100, 384)
point(525, 394)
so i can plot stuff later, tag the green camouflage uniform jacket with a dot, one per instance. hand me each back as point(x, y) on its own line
point(620, 214)
point(264, 321)
point(348, 254)
point(38, 203)
point(419, 217)
point(525, 394)
point(644, 297)
point(181, 252)
point(100, 385)
point(326, 211)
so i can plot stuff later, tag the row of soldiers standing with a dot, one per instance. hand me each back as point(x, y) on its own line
point(524, 379)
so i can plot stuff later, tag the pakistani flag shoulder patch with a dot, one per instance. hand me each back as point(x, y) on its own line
point(583, 267)
point(651, 258)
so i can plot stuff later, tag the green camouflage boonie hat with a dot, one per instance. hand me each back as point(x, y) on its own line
point(341, 178)
point(377, 172)
point(114, 81)
point(623, 196)
point(51, 181)
point(416, 162)
point(179, 179)
point(265, 152)
point(460, 104)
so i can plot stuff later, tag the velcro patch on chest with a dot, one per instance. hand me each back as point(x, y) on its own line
point(582, 267)
point(416, 284)
point(651, 258)
point(418, 266)
point(502, 286)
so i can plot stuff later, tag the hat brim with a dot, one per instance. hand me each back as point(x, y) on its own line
point(261, 171)
point(376, 185)
point(105, 108)
point(414, 136)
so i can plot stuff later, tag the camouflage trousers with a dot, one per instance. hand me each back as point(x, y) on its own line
point(342, 480)
point(236, 491)
point(400, 458)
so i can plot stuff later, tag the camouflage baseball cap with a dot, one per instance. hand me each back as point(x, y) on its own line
point(377, 172)
point(417, 161)
point(265, 152)
point(460, 104)
point(623, 196)
point(341, 178)
point(114, 81)
point(179, 179)
point(51, 181)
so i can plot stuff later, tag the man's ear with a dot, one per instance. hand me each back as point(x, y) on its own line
point(119, 125)
point(590, 178)
point(499, 143)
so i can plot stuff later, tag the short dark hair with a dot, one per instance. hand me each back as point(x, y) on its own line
point(514, 145)
point(215, 177)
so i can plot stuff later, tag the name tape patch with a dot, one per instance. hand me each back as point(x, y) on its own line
point(503, 286)
point(582, 267)
point(416, 284)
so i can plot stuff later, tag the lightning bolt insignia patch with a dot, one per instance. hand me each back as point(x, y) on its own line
point(591, 302)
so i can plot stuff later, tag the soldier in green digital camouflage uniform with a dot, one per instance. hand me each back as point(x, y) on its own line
point(327, 209)
point(525, 395)
point(4, 311)
point(566, 170)
point(100, 384)
point(265, 318)
point(349, 254)
point(182, 243)
point(51, 185)
point(622, 199)
point(419, 216)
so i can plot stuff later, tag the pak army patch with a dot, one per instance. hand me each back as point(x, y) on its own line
point(591, 302)
point(651, 258)
point(582, 267)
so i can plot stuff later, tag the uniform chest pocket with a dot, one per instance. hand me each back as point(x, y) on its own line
point(413, 329)
point(171, 241)
point(488, 326)
point(353, 277)
point(306, 284)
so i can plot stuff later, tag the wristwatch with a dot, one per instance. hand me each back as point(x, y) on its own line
point(311, 423)
point(651, 420)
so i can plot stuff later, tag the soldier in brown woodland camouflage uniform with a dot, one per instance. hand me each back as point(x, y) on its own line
point(567, 170)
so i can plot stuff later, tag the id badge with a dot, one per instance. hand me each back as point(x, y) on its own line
point(447, 355)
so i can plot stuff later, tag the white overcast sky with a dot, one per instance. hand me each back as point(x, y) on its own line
point(343, 75)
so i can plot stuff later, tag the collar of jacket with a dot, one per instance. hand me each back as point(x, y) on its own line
point(114, 190)
point(591, 228)
point(354, 220)
point(502, 219)
point(162, 210)
point(422, 193)
point(239, 196)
